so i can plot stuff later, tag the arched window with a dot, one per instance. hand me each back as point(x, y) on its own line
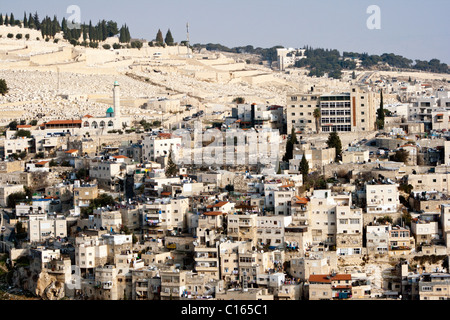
point(94, 125)
point(102, 124)
point(110, 124)
point(86, 124)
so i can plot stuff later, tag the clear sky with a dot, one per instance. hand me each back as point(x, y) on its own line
point(416, 29)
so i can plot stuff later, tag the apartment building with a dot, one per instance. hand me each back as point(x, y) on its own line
point(322, 213)
point(355, 155)
point(173, 284)
point(106, 218)
point(342, 112)
point(349, 228)
point(317, 157)
point(42, 227)
point(424, 231)
point(156, 147)
point(435, 286)
point(90, 252)
point(400, 241)
point(84, 193)
point(330, 286)
point(382, 197)
point(271, 230)
point(146, 285)
point(242, 227)
point(377, 238)
point(104, 171)
point(166, 214)
point(300, 112)
point(315, 263)
point(430, 182)
point(246, 116)
point(207, 261)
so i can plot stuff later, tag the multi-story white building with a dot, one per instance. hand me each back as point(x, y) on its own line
point(342, 112)
point(270, 230)
point(155, 147)
point(42, 227)
point(382, 197)
point(377, 238)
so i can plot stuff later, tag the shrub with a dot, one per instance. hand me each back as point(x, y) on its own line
point(19, 36)
point(10, 35)
point(106, 46)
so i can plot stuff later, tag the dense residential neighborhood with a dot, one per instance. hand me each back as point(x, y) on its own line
point(169, 172)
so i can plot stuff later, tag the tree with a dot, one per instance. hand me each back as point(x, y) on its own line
point(1, 19)
point(401, 155)
point(37, 22)
point(159, 38)
point(111, 28)
point(380, 113)
point(169, 39)
point(136, 44)
point(15, 198)
point(290, 146)
point(3, 87)
point(353, 75)
point(6, 20)
point(31, 23)
point(335, 142)
point(317, 115)
point(23, 133)
point(304, 167)
point(239, 100)
point(171, 168)
point(12, 20)
point(25, 20)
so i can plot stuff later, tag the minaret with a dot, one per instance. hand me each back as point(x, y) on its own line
point(116, 100)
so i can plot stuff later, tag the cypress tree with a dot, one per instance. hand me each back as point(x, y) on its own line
point(171, 168)
point(37, 22)
point(159, 38)
point(380, 113)
point(1, 19)
point(6, 20)
point(335, 142)
point(91, 31)
point(169, 39)
point(12, 20)
point(31, 23)
point(25, 20)
point(56, 27)
point(304, 167)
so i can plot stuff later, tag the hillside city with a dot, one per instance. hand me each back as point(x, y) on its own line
point(154, 170)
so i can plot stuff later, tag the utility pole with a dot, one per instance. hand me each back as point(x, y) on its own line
point(187, 42)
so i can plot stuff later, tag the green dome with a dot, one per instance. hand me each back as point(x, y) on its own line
point(110, 110)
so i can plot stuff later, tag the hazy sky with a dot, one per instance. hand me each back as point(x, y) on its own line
point(416, 29)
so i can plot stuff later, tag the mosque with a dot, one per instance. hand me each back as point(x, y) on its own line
point(112, 121)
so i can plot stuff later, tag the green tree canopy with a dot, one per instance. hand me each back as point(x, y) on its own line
point(334, 141)
point(304, 167)
point(3, 87)
point(159, 38)
point(171, 168)
point(169, 39)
